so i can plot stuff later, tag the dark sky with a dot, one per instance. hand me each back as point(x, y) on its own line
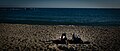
point(61, 3)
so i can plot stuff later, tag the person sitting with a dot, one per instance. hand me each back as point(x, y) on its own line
point(76, 39)
point(63, 38)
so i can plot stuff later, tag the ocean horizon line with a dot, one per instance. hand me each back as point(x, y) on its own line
point(67, 7)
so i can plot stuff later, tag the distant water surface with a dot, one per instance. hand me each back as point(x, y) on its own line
point(61, 16)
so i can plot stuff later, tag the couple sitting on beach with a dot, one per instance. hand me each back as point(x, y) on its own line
point(75, 39)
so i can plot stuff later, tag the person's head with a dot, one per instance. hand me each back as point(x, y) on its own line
point(64, 34)
point(74, 35)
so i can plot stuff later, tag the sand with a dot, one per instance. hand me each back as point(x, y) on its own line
point(33, 37)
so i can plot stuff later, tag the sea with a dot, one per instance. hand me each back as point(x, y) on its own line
point(61, 16)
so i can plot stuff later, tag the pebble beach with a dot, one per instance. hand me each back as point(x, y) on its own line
point(26, 36)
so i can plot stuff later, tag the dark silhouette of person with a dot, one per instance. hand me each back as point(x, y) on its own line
point(63, 38)
point(76, 39)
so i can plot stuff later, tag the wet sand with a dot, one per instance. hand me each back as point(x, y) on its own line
point(24, 36)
